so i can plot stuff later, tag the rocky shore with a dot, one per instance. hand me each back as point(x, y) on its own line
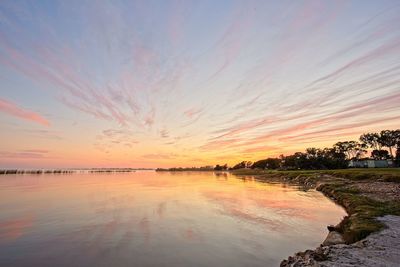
point(381, 248)
point(378, 249)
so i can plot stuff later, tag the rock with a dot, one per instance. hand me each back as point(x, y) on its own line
point(361, 244)
point(378, 249)
point(284, 263)
point(301, 259)
point(333, 238)
point(321, 253)
point(331, 228)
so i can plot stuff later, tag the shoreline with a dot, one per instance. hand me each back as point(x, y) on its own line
point(378, 249)
point(363, 232)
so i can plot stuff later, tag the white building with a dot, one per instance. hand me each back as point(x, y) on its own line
point(371, 163)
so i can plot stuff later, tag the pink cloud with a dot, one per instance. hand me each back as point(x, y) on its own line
point(16, 111)
point(24, 154)
point(374, 55)
point(114, 137)
point(219, 144)
point(149, 118)
point(160, 156)
point(261, 149)
point(190, 113)
point(176, 22)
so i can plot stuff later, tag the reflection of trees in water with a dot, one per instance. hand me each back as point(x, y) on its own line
point(221, 175)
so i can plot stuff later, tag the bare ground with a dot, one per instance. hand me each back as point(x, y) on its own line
point(381, 191)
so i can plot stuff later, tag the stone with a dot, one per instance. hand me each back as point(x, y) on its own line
point(333, 238)
point(331, 228)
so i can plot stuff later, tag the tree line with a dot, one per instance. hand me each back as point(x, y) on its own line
point(383, 145)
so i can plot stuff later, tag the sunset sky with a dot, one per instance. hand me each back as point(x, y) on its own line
point(191, 83)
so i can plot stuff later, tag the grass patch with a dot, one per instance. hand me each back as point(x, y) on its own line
point(380, 174)
point(362, 211)
point(384, 174)
point(249, 172)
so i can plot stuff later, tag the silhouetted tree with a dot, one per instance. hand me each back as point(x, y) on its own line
point(335, 157)
point(372, 140)
point(379, 154)
point(221, 167)
point(218, 167)
point(269, 163)
point(315, 158)
point(352, 149)
point(241, 165)
point(389, 140)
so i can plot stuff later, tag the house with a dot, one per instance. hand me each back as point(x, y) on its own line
point(371, 163)
point(358, 164)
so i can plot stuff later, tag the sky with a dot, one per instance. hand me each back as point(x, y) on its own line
point(191, 83)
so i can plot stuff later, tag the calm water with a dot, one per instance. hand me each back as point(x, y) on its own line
point(156, 219)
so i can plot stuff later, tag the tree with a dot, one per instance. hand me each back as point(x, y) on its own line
point(397, 136)
point(296, 161)
point(269, 163)
point(333, 159)
point(352, 149)
point(379, 154)
point(273, 163)
point(241, 165)
point(312, 152)
point(390, 139)
point(372, 140)
point(221, 167)
point(259, 164)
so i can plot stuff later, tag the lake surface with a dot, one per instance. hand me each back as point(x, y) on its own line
point(157, 219)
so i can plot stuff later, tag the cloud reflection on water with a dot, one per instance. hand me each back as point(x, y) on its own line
point(157, 218)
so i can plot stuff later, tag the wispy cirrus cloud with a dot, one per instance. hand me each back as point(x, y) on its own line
point(14, 110)
point(160, 156)
point(24, 154)
point(110, 138)
point(229, 78)
point(192, 112)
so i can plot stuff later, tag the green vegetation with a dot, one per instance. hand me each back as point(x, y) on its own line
point(362, 210)
point(384, 174)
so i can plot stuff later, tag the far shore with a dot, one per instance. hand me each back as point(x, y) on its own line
point(66, 171)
